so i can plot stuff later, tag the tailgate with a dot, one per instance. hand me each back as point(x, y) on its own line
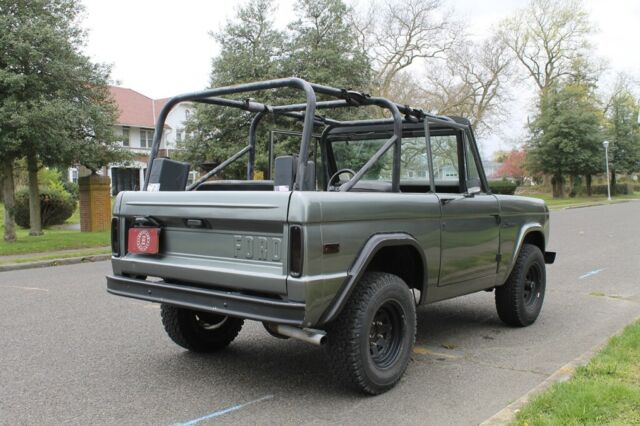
point(221, 239)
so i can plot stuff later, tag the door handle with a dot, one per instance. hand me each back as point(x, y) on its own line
point(444, 201)
point(498, 218)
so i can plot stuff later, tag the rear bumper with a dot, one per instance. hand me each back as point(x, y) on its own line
point(208, 300)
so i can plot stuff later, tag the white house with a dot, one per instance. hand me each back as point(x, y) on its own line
point(137, 117)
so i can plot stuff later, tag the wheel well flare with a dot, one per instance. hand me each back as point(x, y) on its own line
point(403, 261)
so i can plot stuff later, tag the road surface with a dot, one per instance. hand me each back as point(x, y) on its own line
point(72, 354)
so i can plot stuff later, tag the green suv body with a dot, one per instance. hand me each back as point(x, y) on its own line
point(341, 242)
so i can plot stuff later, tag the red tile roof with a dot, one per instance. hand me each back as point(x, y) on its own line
point(136, 109)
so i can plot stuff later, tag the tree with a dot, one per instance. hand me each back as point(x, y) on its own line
point(8, 189)
point(323, 47)
point(472, 83)
point(547, 37)
point(566, 135)
point(396, 34)
point(513, 166)
point(55, 108)
point(319, 46)
point(252, 49)
point(622, 130)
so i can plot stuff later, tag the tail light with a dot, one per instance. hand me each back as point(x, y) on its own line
point(295, 251)
point(115, 236)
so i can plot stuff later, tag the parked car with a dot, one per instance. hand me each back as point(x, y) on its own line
point(339, 244)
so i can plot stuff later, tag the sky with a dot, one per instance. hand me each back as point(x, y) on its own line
point(162, 48)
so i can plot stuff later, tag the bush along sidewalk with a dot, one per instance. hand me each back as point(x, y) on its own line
point(606, 391)
point(56, 206)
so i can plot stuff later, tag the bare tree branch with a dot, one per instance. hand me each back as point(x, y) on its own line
point(546, 37)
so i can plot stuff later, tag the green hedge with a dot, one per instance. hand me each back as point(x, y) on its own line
point(73, 190)
point(620, 188)
point(56, 206)
point(503, 187)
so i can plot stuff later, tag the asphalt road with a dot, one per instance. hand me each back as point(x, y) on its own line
point(70, 353)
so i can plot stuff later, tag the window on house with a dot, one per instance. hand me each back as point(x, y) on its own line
point(179, 132)
point(125, 136)
point(146, 138)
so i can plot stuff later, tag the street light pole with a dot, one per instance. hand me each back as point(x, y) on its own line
point(606, 159)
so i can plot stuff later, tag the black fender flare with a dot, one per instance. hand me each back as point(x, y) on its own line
point(362, 261)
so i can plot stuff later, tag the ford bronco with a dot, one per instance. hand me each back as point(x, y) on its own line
point(340, 242)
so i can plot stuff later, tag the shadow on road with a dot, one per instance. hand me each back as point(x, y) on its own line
point(260, 360)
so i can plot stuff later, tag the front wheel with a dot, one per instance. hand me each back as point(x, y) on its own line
point(199, 331)
point(370, 342)
point(519, 300)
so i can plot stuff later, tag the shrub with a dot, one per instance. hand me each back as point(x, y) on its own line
point(620, 188)
point(73, 190)
point(502, 187)
point(55, 207)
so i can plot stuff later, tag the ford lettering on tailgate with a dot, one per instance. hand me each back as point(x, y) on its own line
point(258, 248)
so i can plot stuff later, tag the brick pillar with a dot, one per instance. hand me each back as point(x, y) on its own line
point(95, 203)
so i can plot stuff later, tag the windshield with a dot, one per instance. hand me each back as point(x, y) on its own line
point(353, 154)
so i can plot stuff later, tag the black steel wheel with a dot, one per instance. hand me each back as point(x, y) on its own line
point(370, 342)
point(532, 285)
point(199, 331)
point(520, 299)
point(385, 334)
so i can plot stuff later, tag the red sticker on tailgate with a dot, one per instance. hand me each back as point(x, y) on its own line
point(143, 240)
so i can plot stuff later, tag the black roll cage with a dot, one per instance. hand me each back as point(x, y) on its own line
point(306, 112)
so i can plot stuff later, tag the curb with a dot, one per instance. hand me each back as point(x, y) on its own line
point(601, 204)
point(55, 262)
point(564, 373)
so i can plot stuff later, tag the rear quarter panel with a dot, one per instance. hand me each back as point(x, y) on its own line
point(350, 219)
point(519, 216)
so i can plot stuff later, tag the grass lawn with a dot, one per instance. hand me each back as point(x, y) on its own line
point(604, 392)
point(581, 201)
point(52, 240)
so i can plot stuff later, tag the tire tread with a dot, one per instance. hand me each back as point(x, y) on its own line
point(343, 338)
point(176, 325)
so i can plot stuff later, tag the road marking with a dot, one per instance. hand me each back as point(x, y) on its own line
point(223, 411)
point(27, 288)
point(588, 274)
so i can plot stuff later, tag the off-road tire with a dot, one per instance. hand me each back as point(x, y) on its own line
point(519, 300)
point(199, 331)
point(351, 347)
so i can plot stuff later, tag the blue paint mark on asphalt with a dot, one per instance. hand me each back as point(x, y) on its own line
point(588, 274)
point(223, 411)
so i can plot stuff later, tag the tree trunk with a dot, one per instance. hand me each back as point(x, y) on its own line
point(9, 201)
point(572, 185)
point(613, 182)
point(588, 183)
point(558, 186)
point(35, 222)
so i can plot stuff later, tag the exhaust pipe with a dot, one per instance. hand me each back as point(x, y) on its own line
point(315, 337)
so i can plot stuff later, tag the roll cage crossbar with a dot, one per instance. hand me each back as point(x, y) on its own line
point(305, 112)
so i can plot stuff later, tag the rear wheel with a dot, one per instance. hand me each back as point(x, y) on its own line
point(519, 300)
point(370, 342)
point(199, 331)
